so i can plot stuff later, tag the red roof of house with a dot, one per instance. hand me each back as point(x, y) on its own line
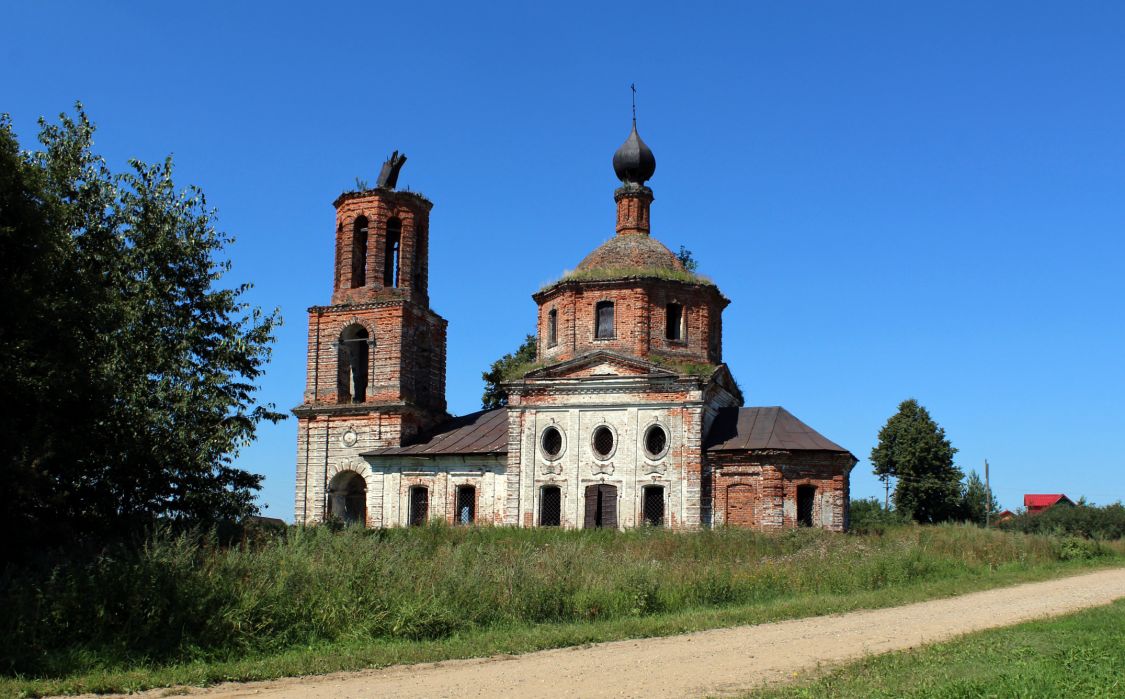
point(1043, 500)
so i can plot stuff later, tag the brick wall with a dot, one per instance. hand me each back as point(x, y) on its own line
point(640, 313)
point(759, 489)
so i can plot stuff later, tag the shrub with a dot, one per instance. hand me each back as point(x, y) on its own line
point(1105, 523)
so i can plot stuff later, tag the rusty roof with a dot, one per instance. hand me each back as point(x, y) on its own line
point(737, 429)
point(482, 432)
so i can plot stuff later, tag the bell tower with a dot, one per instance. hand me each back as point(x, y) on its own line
point(376, 355)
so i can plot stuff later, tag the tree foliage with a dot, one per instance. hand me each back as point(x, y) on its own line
point(130, 375)
point(687, 259)
point(913, 450)
point(1089, 521)
point(506, 368)
point(978, 500)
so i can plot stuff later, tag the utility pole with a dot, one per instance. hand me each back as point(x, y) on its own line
point(987, 497)
point(887, 492)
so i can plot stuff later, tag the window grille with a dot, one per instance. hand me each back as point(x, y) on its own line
point(652, 505)
point(419, 506)
point(603, 442)
point(656, 441)
point(550, 506)
point(552, 442)
point(466, 504)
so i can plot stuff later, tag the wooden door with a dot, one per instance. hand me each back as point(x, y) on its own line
point(601, 506)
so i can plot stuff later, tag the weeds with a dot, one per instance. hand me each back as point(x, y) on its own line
point(179, 600)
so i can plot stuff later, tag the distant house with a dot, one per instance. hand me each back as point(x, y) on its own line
point(1003, 516)
point(1036, 503)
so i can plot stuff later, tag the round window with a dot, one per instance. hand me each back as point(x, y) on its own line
point(603, 442)
point(656, 442)
point(552, 443)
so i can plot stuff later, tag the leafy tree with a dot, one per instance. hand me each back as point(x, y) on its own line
point(868, 515)
point(505, 369)
point(130, 372)
point(688, 260)
point(977, 500)
point(913, 450)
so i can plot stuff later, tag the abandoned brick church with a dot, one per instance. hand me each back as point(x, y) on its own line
point(629, 417)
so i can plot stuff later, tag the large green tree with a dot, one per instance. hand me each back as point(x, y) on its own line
point(914, 451)
point(507, 368)
point(129, 372)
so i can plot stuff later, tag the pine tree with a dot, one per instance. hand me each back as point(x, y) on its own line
point(914, 451)
point(978, 500)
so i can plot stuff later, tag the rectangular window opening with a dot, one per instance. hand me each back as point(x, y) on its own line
point(604, 320)
point(674, 322)
point(550, 506)
point(466, 504)
point(552, 327)
point(652, 506)
point(419, 506)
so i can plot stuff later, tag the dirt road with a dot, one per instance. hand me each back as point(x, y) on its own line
point(708, 663)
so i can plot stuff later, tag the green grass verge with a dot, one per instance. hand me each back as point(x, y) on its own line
point(1079, 655)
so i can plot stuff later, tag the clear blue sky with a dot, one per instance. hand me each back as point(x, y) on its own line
point(901, 199)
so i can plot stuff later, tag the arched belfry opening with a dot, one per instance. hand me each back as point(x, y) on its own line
point(347, 498)
point(359, 253)
point(392, 261)
point(353, 363)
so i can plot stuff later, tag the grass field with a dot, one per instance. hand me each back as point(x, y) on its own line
point(318, 601)
point(1080, 655)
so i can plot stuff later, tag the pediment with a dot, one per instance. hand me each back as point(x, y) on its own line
point(599, 364)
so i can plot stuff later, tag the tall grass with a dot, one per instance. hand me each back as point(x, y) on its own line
point(176, 599)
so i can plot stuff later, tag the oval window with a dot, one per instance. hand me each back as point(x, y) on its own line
point(603, 442)
point(656, 442)
point(552, 443)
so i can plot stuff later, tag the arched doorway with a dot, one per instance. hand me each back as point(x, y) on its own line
point(347, 498)
point(352, 360)
point(740, 505)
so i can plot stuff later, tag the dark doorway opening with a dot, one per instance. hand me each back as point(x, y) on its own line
point(466, 504)
point(806, 494)
point(652, 505)
point(550, 506)
point(347, 498)
point(601, 506)
point(419, 506)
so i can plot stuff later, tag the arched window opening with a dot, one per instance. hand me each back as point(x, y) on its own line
point(674, 322)
point(466, 504)
point(806, 496)
point(652, 505)
point(552, 327)
point(550, 506)
point(347, 498)
point(391, 261)
point(601, 506)
point(419, 262)
point(604, 320)
point(352, 363)
point(359, 253)
point(419, 506)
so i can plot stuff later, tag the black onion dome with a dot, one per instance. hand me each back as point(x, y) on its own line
point(634, 162)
